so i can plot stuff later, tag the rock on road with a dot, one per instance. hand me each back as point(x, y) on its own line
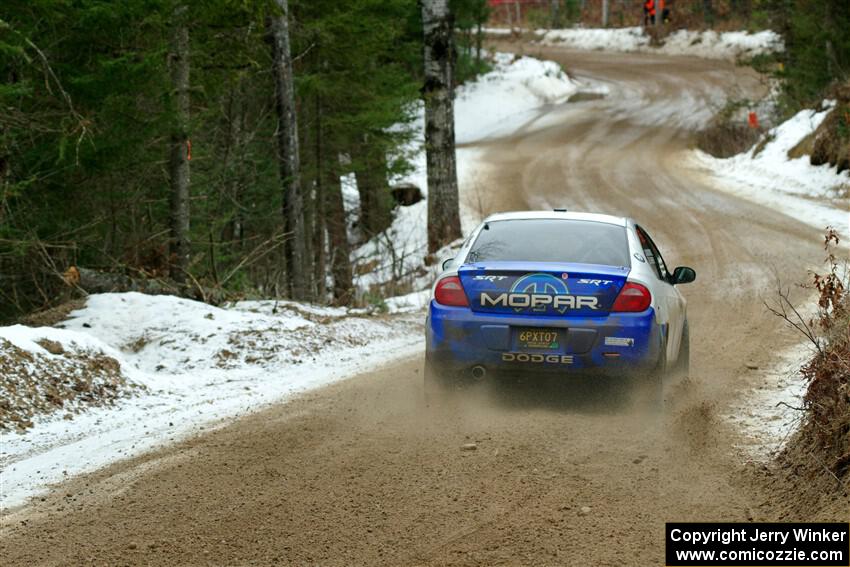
point(361, 473)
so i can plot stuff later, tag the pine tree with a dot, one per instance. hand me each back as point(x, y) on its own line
point(92, 97)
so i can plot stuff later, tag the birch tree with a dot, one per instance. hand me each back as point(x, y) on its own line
point(178, 163)
point(297, 269)
point(438, 92)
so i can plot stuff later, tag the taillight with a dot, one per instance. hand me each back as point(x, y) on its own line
point(450, 292)
point(633, 298)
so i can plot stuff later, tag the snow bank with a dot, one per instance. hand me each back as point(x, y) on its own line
point(502, 100)
point(613, 39)
point(48, 372)
point(412, 302)
point(708, 44)
point(196, 365)
point(497, 104)
point(768, 414)
point(725, 45)
point(816, 195)
point(172, 335)
point(499, 31)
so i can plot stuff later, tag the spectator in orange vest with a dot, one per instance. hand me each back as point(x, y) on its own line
point(665, 14)
point(649, 12)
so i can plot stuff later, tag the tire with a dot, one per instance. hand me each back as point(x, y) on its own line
point(681, 370)
point(435, 386)
point(649, 384)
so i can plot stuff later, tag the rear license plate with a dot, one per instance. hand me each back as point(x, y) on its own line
point(549, 339)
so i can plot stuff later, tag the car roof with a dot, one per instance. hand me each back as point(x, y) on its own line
point(562, 215)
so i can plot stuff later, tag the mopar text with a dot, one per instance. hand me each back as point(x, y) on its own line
point(539, 300)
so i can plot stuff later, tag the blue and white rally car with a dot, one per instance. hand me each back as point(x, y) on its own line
point(556, 292)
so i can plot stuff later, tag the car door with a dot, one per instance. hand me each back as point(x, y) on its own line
point(670, 297)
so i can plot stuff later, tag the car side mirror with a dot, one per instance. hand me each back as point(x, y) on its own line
point(447, 262)
point(683, 275)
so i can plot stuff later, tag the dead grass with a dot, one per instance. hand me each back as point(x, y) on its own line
point(33, 385)
point(724, 138)
point(828, 397)
point(54, 315)
point(765, 140)
point(831, 141)
point(728, 133)
point(803, 148)
point(816, 461)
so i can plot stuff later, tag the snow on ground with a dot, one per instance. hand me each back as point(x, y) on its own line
point(197, 365)
point(816, 195)
point(769, 413)
point(55, 371)
point(410, 303)
point(609, 39)
point(708, 44)
point(504, 99)
point(497, 103)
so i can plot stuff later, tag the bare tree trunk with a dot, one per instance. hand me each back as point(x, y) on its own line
point(4, 183)
point(178, 163)
point(319, 227)
point(297, 268)
point(438, 91)
point(479, 40)
point(554, 13)
point(308, 197)
point(376, 203)
point(338, 236)
point(604, 13)
point(231, 194)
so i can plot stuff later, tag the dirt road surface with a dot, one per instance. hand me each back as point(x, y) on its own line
point(360, 473)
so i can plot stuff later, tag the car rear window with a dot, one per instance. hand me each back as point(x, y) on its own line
point(551, 240)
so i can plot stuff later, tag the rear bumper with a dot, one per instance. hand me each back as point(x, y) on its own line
point(458, 338)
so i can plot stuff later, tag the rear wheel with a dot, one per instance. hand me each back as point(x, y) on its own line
point(436, 384)
point(682, 368)
point(649, 383)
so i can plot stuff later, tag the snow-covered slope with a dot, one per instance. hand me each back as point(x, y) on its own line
point(502, 100)
point(766, 175)
point(708, 44)
point(57, 372)
point(190, 364)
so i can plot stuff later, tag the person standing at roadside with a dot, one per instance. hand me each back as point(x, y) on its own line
point(649, 12)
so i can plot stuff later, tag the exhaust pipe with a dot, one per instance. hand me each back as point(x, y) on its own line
point(479, 372)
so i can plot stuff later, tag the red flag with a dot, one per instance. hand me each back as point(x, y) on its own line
point(753, 120)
